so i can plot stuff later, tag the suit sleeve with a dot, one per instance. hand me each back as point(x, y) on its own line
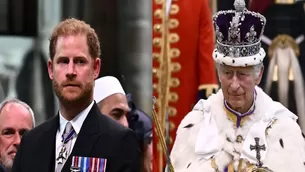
point(129, 153)
point(206, 66)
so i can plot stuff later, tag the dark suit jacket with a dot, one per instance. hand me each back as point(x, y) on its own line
point(99, 137)
point(2, 168)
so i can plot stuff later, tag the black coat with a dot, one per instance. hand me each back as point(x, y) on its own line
point(99, 137)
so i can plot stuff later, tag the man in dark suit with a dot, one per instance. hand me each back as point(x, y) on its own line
point(79, 138)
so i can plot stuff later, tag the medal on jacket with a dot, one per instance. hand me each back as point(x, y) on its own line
point(62, 155)
point(84, 164)
point(75, 169)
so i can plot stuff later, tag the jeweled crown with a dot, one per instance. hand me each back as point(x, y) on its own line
point(238, 31)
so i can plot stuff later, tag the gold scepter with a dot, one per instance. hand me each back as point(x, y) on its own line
point(161, 136)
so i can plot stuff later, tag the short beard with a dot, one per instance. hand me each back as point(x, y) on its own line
point(86, 91)
point(6, 162)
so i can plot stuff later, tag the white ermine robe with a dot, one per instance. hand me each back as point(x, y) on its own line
point(208, 140)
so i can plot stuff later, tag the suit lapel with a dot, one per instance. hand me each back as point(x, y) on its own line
point(47, 146)
point(87, 136)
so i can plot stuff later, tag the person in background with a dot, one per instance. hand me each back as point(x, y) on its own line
point(16, 118)
point(113, 102)
point(111, 98)
point(189, 43)
point(141, 123)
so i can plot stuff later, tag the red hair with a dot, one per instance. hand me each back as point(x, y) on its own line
point(73, 27)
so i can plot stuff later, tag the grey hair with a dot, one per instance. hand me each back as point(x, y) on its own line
point(257, 68)
point(15, 100)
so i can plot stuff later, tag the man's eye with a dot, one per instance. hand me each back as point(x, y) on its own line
point(243, 74)
point(64, 61)
point(228, 73)
point(21, 133)
point(116, 115)
point(8, 132)
point(80, 61)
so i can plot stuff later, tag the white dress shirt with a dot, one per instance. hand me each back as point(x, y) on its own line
point(76, 122)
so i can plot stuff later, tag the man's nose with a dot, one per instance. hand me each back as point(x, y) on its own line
point(17, 140)
point(124, 121)
point(71, 69)
point(235, 83)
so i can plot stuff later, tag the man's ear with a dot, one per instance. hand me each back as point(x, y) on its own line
point(96, 67)
point(50, 69)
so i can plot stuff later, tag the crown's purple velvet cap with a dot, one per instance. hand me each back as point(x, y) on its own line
point(223, 19)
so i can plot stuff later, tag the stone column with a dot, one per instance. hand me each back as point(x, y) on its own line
point(49, 15)
point(135, 49)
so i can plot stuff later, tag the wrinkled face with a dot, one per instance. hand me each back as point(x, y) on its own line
point(15, 120)
point(237, 84)
point(116, 107)
point(73, 70)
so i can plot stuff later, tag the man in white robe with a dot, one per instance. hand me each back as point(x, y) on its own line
point(240, 128)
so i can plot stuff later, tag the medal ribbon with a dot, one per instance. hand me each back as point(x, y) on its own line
point(69, 136)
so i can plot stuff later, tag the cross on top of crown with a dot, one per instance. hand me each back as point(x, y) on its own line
point(239, 5)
